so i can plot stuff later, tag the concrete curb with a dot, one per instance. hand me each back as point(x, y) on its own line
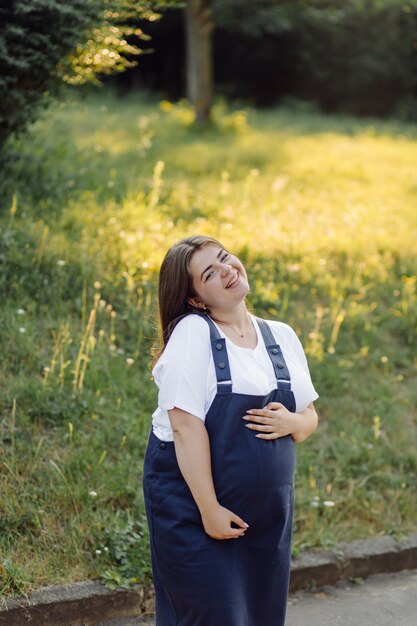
point(82, 603)
point(356, 559)
point(88, 603)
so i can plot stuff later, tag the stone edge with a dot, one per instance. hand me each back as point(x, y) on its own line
point(87, 603)
point(355, 559)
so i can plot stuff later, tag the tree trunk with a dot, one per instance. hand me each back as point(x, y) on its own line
point(199, 61)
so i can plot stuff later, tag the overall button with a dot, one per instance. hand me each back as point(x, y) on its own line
point(280, 366)
point(219, 346)
point(162, 445)
point(222, 366)
point(274, 351)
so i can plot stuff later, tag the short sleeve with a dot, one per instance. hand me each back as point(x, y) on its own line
point(301, 356)
point(181, 371)
point(297, 360)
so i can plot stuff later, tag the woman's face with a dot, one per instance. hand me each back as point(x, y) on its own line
point(219, 278)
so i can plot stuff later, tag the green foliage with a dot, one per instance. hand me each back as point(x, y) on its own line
point(44, 43)
point(327, 234)
point(125, 547)
point(266, 17)
point(12, 581)
point(345, 54)
point(34, 37)
point(108, 47)
point(381, 59)
point(29, 268)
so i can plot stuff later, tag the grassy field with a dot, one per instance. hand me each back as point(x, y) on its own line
point(322, 210)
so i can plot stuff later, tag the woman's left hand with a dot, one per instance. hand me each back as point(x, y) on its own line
point(275, 420)
point(271, 422)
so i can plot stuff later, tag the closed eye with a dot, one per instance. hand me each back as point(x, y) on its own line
point(222, 260)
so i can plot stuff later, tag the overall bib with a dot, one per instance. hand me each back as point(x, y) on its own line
point(200, 581)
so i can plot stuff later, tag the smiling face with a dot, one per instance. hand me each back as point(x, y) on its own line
point(219, 278)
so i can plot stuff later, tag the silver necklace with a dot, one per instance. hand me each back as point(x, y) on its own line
point(233, 327)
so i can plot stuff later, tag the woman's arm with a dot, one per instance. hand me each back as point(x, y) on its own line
point(192, 448)
point(275, 420)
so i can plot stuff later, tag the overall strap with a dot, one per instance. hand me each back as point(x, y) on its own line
point(220, 358)
point(275, 354)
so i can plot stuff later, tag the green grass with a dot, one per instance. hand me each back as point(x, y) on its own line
point(322, 211)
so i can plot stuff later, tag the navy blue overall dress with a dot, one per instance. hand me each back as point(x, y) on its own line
point(201, 581)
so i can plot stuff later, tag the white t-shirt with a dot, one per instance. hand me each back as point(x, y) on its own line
point(186, 378)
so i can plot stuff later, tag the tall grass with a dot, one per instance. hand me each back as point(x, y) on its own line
point(322, 211)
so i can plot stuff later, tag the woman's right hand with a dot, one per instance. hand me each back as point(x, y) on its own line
point(192, 448)
point(217, 522)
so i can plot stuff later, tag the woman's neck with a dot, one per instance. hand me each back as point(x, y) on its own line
point(239, 320)
point(236, 317)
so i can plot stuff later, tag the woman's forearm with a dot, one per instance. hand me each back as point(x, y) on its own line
point(306, 424)
point(275, 421)
point(192, 449)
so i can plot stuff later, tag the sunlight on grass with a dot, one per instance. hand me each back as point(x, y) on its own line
point(322, 211)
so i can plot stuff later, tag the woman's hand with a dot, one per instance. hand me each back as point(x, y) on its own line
point(192, 448)
point(217, 522)
point(275, 421)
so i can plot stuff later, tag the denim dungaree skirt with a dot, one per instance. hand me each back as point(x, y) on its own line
point(200, 581)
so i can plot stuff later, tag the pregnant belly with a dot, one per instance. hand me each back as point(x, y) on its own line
point(254, 477)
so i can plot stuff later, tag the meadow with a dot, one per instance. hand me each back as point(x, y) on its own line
point(322, 210)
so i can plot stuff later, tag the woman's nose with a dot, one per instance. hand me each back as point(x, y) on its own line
point(226, 269)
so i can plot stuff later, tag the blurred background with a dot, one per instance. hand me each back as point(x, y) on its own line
point(288, 130)
point(355, 57)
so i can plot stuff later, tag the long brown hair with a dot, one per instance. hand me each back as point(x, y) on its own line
point(176, 286)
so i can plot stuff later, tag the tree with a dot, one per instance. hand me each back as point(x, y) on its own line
point(44, 43)
point(354, 55)
point(112, 43)
point(199, 57)
point(199, 24)
point(34, 36)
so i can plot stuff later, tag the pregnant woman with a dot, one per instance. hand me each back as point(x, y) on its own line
point(235, 395)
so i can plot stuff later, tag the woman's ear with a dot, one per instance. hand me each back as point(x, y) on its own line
point(196, 303)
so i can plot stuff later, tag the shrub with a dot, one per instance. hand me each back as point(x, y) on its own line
point(34, 37)
point(46, 42)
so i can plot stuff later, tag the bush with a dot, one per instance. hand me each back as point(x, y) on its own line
point(357, 56)
point(45, 43)
point(34, 37)
point(122, 554)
